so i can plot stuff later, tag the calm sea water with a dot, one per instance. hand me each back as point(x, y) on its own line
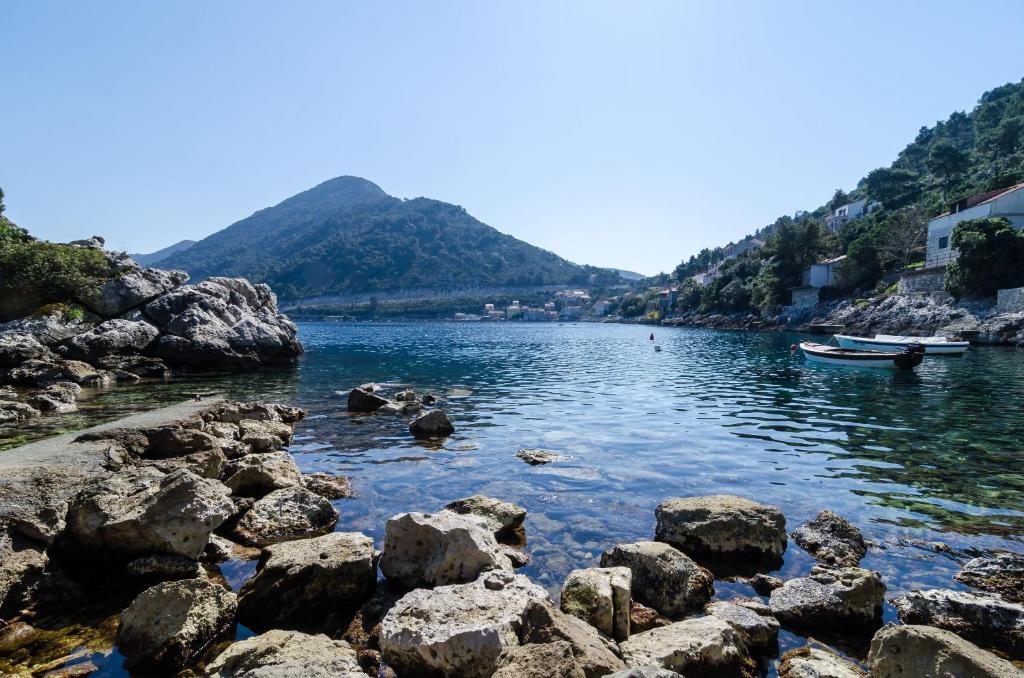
point(933, 455)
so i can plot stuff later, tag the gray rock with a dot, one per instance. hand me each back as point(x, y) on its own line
point(131, 289)
point(309, 584)
point(175, 441)
point(168, 626)
point(360, 400)
point(256, 475)
point(264, 436)
point(764, 584)
point(207, 464)
point(817, 661)
point(502, 515)
point(663, 577)
point(109, 338)
point(17, 347)
point(759, 633)
point(706, 645)
point(41, 373)
point(432, 424)
point(153, 569)
point(59, 398)
point(328, 486)
point(537, 457)
point(286, 514)
point(599, 596)
point(286, 654)
point(12, 412)
point(142, 512)
point(22, 563)
point(829, 597)
point(406, 396)
point(433, 549)
point(831, 539)
point(548, 660)
point(457, 630)
point(898, 651)
point(237, 412)
point(644, 672)
point(544, 623)
point(1000, 572)
point(983, 618)
point(722, 526)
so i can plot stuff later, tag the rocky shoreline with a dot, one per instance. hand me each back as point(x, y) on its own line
point(143, 516)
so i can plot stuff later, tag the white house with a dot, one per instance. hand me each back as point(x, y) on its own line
point(746, 245)
point(1005, 202)
point(823, 273)
point(850, 211)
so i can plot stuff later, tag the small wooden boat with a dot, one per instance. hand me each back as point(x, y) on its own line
point(890, 342)
point(907, 359)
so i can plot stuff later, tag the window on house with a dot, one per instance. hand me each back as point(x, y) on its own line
point(943, 242)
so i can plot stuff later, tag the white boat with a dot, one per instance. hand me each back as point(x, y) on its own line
point(907, 359)
point(889, 342)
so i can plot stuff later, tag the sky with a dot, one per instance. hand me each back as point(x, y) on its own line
point(621, 134)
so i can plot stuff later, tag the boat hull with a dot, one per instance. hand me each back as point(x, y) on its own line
point(830, 355)
point(890, 345)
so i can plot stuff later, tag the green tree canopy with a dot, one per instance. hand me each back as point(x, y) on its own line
point(991, 258)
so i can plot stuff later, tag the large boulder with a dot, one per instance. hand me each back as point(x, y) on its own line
point(309, 584)
point(143, 512)
point(599, 596)
point(547, 660)
point(816, 661)
point(131, 289)
point(433, 424)
point(544, 623)
point(40, 373)
point(286, 514)
point(1000, 572)
point(829, 598)
point(286, 654)
point(111, 337)
point(831, 539)
point(433, 549)
point(663, 577)
point(256, 475)
point(760, 633)
point(696, 646)
point(168, 626)
point(983, 618)
point(458, 630)
point(899, 651)
point(17, 347)
point(502, 515)
point(223, 323)
point(722, 526)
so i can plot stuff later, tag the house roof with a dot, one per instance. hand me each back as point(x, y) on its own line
point(980, 199)
point(832, 260)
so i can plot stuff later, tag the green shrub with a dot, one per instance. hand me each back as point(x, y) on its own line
point(51, 271)
point(991, 258)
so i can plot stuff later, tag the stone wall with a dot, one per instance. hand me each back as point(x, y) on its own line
point(804, 296)
point(923, 281)
point(1010, 301)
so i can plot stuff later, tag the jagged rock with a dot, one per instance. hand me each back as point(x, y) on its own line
point(983, 618)
point(1001, 572)
point(309, 584)
point(899, 651)
point(153, 569)
point(131, 289)
point(256, 475)
point(815, 661)
point(17, 347)
point(722, 526)
point(328, 486)
point(548, 660)
point(223, 323)
point(643, 618)
point(222, 430)
point(286, 654)
point(537, 457)
point(829, 597)
point(501, 515)
point(175, 441)
point(111, 338)
point(12, 412)
point(142, 512)
point(207, 464)
point(831, 539)
point(759, 633)
point(22, 563)
point(663, 577)
point(285, 514)
point(457, 630)
point(706, 645)
point(764, 584)
point(433, 424)
point(237, 412)
point(544, 623)
point(439, 548)
point(599, 596)
point(41, 373)
point(168, 626)
point(360, 400)
point(48, 330)
point(264, 436)
point(60, 398)
point(644, 672)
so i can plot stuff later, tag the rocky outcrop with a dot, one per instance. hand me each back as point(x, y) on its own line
point(433, 424)
point(829, 598)
point(501, 515)
point(284, 654)
point(132, 288)
point(109, 338)
point(549, 660)
point(722, 526)
point(759, 633)
point(663, 577)
point(831, 539)
point(544, 623)
point(983, 618)
point(434, 549)
point(170, 625)
point(599, 596)
point(702, 646)
point(457, 630)
point(1000, 572)
point(286, 514)
point(910, 650)
point(309, 584)
point(816, 661)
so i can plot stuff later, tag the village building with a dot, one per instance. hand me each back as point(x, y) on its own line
point(1005, 202)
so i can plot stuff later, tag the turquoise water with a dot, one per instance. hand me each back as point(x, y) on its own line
point(932, 455)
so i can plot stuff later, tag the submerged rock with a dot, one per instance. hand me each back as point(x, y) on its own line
point(816, 661)
point(898, 651)
point(663, 577)
point(544, 623)
point(433, 424)
point(829, 597)
point(599, 596)
point(439, 548)
point(983, 618)
point(537, 456)
point(167, 627)
point(1000, 572)
point(548, 660)
point(704, 645)
point(284, 654)
point(309, 584)
point(458, 630)
point(285, 514)
point(831, 539)
point(720, 526)
point(759, 633)
point(501, 515)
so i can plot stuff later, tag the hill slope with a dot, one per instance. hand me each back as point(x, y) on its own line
point(347, 236)
point(158, 256)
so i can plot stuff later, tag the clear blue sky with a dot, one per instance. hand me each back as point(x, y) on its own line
point(623, 134)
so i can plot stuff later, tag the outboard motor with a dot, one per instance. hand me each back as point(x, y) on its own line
point(911, 357)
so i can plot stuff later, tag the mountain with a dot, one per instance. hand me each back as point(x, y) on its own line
point(347, 236)
point(156, 257)
point(628, 275)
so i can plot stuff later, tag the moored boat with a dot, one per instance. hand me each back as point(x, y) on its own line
point(890, 342)
point(907, 359)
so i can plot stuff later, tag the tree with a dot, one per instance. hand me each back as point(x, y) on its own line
point(2, 206)
point(894, 188)
point(947, 162)
point(991, 258)
point(839, 198)
point(902, 237)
